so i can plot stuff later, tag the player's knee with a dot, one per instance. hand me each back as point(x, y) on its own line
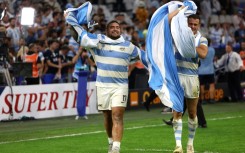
point(193, 121)
point(118, 117)
point(177, 115)
point(192, 114)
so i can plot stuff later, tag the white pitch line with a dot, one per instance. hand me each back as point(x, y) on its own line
point(159, 150)
point(95, 132)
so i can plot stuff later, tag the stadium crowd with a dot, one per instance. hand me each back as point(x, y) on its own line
point(49, 45)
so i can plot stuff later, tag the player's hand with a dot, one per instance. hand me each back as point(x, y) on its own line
point(242, 68)
point(189, 4)
point(66, 13)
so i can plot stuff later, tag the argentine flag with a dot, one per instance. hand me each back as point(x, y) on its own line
point(162, 65)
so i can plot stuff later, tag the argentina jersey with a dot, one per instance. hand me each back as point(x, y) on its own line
point(112, 63)
point(189, 66)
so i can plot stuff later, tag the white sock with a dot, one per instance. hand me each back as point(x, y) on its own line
point(192, 126)
point(110, 140)
point(116, 145)
point(177, 126)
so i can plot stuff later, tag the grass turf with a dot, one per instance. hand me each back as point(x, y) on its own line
point(144, 132)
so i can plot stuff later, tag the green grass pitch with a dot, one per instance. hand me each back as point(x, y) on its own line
point(144, 133)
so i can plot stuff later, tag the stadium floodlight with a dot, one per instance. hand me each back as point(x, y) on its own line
point(27, 16)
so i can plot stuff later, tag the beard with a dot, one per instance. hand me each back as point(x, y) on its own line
point(114, 37)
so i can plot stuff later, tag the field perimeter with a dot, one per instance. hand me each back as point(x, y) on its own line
point(144, 133)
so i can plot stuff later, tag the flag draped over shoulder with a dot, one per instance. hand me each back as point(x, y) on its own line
point(161, 61)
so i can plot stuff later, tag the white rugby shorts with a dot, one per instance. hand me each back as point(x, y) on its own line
point(108, 97)
point(191, 85)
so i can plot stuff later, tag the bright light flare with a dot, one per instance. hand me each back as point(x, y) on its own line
point(27, 16)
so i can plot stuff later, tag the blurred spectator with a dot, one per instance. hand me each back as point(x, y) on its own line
point(233, 65)
point(32, 35)
point(5, 21)
point(26, 3)
point(100, 27)
point(13, 32)
point(54, 4)
point(135, 38)
point(123, 26)
point(242, 52)
point(222, 17)
point(53, 62)
point(140, 28)
point(216, 7)
point(142, 13)
point(56, 17)
point(206, 75)
point(40, 28)
point(154, 6)
point(129, 33)
point(206, 11)
point(41, 48)
point(120, 17)
point(46, 15)
point(216, 33)
point(237, 18)
point(22, 51)
point(32, 57)
point(136, 5)
point(83, 62)
point(66, 63)
point(228, 35)
point(69, 5)
point(240, 33)
point(61, 31)
point(74, 46)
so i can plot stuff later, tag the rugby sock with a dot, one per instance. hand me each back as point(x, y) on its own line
point(192, 126)
point(116, 145)
point(110, 140)
point(177, 126)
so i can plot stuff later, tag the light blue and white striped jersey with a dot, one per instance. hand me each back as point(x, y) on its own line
point(112, 63)
point(189, 66)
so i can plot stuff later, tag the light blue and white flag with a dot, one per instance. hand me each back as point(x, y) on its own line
point(161, 61)
point(182, 34)
point(82, 13)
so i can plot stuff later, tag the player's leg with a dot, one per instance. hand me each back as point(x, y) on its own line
point(202, 91)
point(104, 104)
point(203, 81)
point(192, 95)
point(211, 82)
point(211, 92)
point(177, 127)
point(117, 129)
point(118, 105)
point(147, 103)
point(108, 127)
point(192, 122)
